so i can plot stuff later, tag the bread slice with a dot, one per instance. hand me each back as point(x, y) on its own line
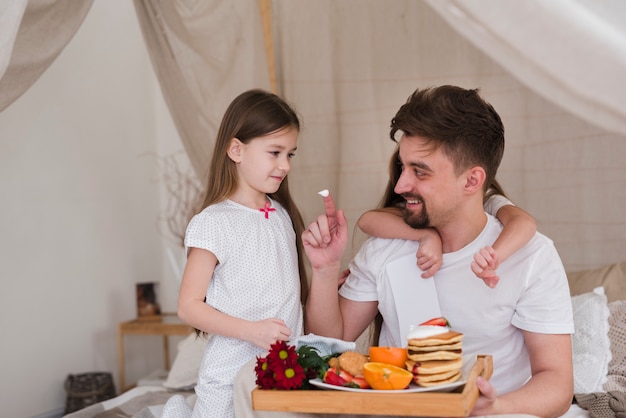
point(427, 378)
point(435, 355)
point(454, 346)
point(449, 337)
point(450, 379)
point(433, 367)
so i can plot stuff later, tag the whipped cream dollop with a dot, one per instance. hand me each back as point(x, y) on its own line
point(323, 193)
point(425, 331)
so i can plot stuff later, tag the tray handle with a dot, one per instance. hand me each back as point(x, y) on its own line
point(483, 367)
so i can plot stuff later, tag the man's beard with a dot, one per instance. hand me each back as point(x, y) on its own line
point(417, 220)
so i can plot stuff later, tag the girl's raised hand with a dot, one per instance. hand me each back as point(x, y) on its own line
point(266, 332)
point(485, 264)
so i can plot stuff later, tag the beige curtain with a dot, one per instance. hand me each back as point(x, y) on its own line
point(204, 54)
point(31, 37)
point(347, 65)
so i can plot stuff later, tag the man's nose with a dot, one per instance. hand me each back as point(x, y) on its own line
point(402, 186)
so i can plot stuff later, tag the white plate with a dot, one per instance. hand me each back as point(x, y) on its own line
point(467, 365)
point(412, 387)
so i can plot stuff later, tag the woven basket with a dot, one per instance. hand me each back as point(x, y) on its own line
point(87, 389)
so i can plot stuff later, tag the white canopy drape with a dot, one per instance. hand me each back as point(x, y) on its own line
point(572, 52)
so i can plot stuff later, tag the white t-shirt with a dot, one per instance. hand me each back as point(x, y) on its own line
point(532, 295)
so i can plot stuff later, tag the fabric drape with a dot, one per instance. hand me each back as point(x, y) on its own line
point(553, 70)
point(204, 54)
point(572, 52)
point(45, 28)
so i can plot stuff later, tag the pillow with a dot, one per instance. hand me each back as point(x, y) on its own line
point(616, 379)
point(590, 342)
point(184, 372)
point(611, 277)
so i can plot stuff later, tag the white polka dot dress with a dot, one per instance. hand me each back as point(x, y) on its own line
point(256, 278)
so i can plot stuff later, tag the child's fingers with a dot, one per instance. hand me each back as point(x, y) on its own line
point(476, 269)
point(491, 281)
point(480, 261)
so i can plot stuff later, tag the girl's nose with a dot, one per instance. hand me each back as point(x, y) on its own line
point(284, 164)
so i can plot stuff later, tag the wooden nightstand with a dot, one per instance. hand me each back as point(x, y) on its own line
point(166, 325)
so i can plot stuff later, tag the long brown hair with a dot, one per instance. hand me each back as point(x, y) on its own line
point(253, 114)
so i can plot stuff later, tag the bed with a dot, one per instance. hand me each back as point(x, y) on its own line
point(599, 346)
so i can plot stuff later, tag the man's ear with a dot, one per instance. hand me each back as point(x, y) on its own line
point(234, 150)
point(475, 179)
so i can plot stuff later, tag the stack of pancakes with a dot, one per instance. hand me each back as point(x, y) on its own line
point(436, 360)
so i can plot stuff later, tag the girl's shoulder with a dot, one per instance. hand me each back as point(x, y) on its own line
point(214, 212)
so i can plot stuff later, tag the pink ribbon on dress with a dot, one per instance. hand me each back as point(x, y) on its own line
point(267, 210)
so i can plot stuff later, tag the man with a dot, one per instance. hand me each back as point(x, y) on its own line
point(451, 145)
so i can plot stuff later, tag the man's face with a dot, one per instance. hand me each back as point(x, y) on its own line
point(427, 182)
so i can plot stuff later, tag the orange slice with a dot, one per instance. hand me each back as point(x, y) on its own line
point(381, 376)
point(395, 356)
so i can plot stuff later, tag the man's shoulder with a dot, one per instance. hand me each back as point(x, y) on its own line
point(538, 243)
point(375, 253)
point(386, 246)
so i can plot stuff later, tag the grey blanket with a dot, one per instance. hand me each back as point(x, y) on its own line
point(603, 404)
point(140, 406)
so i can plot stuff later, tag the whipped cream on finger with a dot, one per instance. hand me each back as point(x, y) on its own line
point(323, 193)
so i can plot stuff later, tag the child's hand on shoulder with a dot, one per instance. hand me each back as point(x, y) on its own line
point(428, 255)
point(485, 264)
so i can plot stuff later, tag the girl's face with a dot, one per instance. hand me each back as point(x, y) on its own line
point(263, 162)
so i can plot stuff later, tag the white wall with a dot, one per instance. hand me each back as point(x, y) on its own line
point(79, 206)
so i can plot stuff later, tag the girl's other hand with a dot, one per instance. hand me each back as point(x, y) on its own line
point(428, 255)
point(266, 332)
point(485, 264)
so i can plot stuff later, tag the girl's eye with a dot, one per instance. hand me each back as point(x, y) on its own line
point(275, 153)
point(291, 155)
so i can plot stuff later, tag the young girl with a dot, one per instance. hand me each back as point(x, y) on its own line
point(519, 228)
point(244, 281)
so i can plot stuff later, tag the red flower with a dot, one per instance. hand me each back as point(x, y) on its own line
point(280, 369)
point(264, 375)
point(289, 377)
point(282, 354)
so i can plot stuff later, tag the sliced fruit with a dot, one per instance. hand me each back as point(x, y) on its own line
point(359, 383)
point(396, 356)
point(441, 321)
point(381, 376)
point(332, 377)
